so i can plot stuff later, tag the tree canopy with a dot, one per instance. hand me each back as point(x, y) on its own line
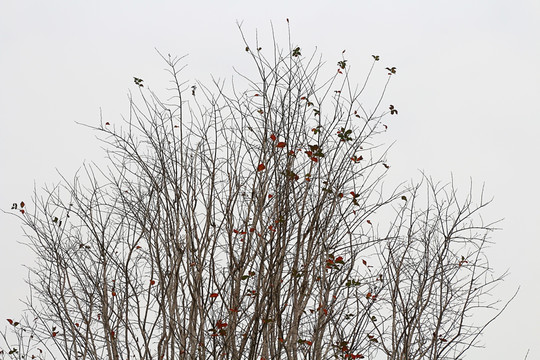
point(252, 224)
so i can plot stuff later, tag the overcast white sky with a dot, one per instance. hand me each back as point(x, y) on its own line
point(467, 90)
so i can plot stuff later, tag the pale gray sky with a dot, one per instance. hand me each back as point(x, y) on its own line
point(467, 90)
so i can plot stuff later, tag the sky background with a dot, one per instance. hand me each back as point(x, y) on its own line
point(467, 89)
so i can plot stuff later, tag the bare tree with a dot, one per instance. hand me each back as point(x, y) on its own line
point(434, 276)
point(236, 224)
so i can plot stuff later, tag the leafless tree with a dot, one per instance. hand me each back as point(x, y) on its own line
point(236, 224)
point(434, 276)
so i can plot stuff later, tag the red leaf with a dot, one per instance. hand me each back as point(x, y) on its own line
point(364, 262)
point(107, 123)
point(273, 137)
point(152, 282)
point(10, 321)
point(314, 159)
point(54, 333)
point(22, 211)
point(261, 167)
point(281, 144)
point(369, 222)
point(270, 196)
point(220, 324)
point(368, 295)
point(214, 295)
point(114, 293)
point(22, 204)
point(309, 342)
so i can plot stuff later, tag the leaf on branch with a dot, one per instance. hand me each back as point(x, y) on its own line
point(393, 110)
point(261, 167)
point(372, 338)
point(281, 144)
point(273, 137)
point(214, 295)
point(376, 57)
point(392, 70)
point(342, 64)
point(345, 134)
point(138, 81)
point(296, 52)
